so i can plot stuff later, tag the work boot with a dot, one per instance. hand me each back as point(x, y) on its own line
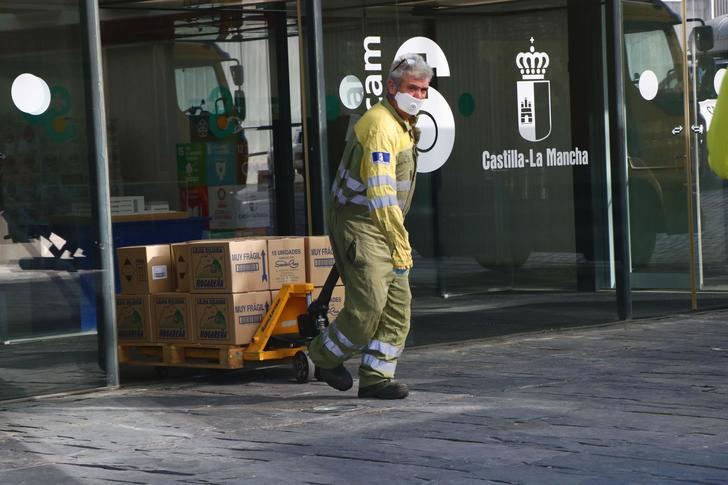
point(389, 389)
point(338, 377)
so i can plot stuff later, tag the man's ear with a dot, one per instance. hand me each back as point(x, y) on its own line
point(391, 88)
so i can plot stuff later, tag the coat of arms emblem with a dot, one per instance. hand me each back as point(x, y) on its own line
point(534, 95)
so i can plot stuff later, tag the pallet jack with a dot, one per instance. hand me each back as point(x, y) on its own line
point(293, 320)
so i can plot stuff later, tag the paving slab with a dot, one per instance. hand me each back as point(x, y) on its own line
point(636, 402)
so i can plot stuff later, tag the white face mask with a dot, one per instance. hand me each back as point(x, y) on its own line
point(408, 103)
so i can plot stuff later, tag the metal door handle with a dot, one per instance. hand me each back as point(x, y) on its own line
point(677, 130)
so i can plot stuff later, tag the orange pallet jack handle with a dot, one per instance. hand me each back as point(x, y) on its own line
point(281, 319)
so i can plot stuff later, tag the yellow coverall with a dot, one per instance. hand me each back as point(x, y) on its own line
point(370, 196)
point(718, 133)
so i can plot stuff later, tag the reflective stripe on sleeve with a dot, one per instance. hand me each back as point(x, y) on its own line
point(343, 200)
point(339, 194)
point(404, 185)
point(382, 202)
point(379, 180)
point(354, 184)
point(391, 351)
point(340, 173)
point(386, 368)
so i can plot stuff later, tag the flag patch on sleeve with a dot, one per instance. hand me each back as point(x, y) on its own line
point(380, 157)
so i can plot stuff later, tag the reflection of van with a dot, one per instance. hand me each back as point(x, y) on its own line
point(720, 40)
point(149, 115)
point(655, 136)
point(656, 153)
point(149, 87)
point(719, 56)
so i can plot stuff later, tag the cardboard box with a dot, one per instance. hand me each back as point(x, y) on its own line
point(229, 266)
point(191, 168)
point(287, 261)
point(229, 318)
point(172, 317)
point(145, 269)
point(319, 260)
point(336, 304)
point(133, 318)
point(181, 263)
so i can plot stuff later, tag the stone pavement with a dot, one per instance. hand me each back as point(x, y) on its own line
point(639, 402)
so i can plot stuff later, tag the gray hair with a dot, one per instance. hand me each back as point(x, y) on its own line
point(411, 64)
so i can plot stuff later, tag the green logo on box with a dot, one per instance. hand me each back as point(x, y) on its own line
point(209, 273)
point(213, 324)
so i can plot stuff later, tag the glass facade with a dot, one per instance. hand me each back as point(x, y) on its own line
point(49, 256)
point(510, 222)
point(513, 224)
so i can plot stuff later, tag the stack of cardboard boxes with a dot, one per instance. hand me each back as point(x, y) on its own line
point(144, 272)
point(214, 291)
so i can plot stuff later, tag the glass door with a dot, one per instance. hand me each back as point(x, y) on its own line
point(706, 56)
point(657, 149)
point(50, 265)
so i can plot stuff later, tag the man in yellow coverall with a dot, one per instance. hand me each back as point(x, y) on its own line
point(718, 133)
point(370, 196)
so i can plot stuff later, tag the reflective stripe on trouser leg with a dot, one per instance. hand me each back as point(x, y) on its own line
point(335, 346)
point(379, 358)
point(362, 257)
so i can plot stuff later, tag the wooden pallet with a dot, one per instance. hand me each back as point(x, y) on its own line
point(182, 355)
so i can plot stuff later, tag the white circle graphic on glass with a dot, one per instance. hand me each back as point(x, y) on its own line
point(427, 124)
point(648, 85)
point(437, 133)
point(30, 94)
point(351, 92)
point(718, 79)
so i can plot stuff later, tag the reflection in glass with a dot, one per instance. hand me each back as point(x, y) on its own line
point(657, 178)
point(194, 121)
point(49, 268)
point(710, 194)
